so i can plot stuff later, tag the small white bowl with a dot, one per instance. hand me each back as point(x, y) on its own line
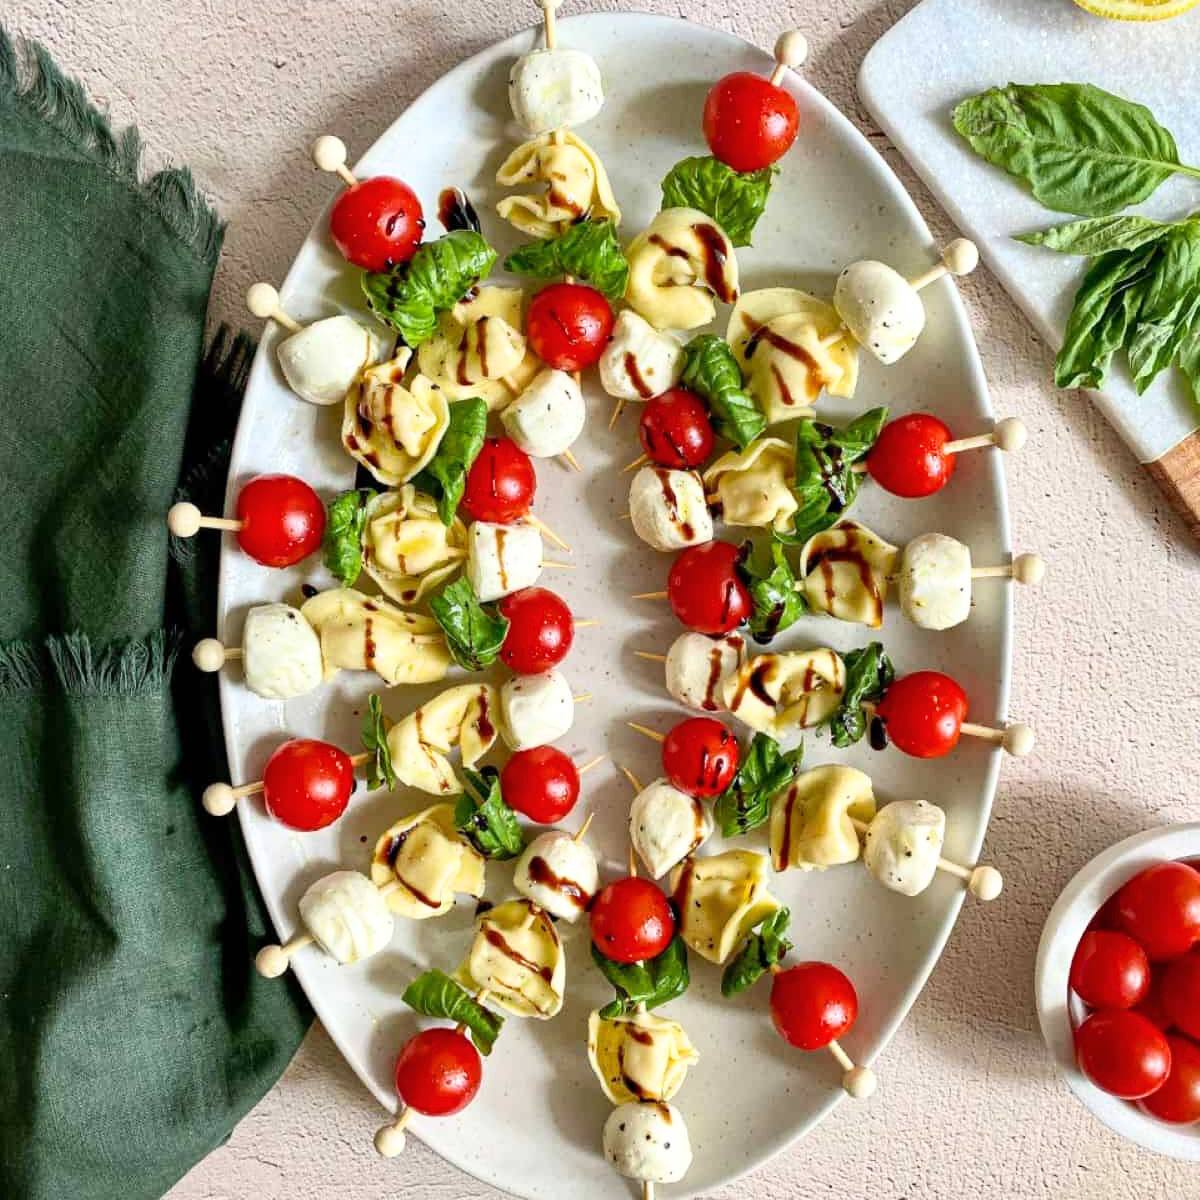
point(1059, 1011)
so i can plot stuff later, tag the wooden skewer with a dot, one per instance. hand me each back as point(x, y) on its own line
point(547, 532)
point(651, 657)
point(263, 301)
point(960, 257)
point(389, 1138)
point(587, 824)
point(588, 624)
point(210, 655)
point(329, 154)
point(1025, 568)
point(571, 460)
point(582, 698)
point(587, 766)
point(635, 783)
point(650, 733)
point(984, 883)
point(186, 520)
point(647, 1189)
point(618, 409)
point(557, 566)
point(790, 52)
point(272, 961)
point(649, 596)
point(640, 461)
point(1017, 739)
point(548, 7)
point(1009, 435)
point(858, 1082)
point(219, 799)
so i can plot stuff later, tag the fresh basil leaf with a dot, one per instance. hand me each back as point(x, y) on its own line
point(411, 296)
point(653, 982)
point(342, 544)
point(444, 476)
point(374, 739)
point(474, 631)
point(1081, 149)
point(711, 371)
point(1098, 235)
point(588, 250)
point(772, 585)
point(734, 199)
point(1189, 358)
point(869, 673)
point(435, 994)
point(764, 771)
point(758, 954)
point(483, 818)
point(1172, 296)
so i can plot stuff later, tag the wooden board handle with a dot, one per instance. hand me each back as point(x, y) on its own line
point(1177, 474)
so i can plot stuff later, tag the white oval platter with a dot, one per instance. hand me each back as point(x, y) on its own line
point(534, 1129)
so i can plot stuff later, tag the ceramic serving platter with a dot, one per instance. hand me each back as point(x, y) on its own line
point(534, 1129)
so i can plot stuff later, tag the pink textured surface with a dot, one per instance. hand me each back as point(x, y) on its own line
point(1104, 664)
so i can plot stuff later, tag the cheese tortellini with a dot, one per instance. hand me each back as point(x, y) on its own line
point(720, 899)
point(576, 185)
point(778, 694)
point(640, 1056)
point(846, 571)
point(516, 954)
point(405, 547)
point(812, 820)
point(368, 633)
point(431, 861)
point(754, 486)
point(462, 716)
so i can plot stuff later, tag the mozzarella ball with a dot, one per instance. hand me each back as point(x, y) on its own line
point(347, 916)
point(903, 844)
point(880, 308)
point(547, 417)
point(536, 709)
point(281, 653)
point(502, 558)
point(697, 666)
point(558, 874)
point(648, 1140)
point(553, 89)
point(322, 361)
point(935, 581)
point(668, 510)
point(666, 825)
point(639, 362)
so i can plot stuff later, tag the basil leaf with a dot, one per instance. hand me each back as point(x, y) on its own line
point(410, 297)
point(1189, 358)
point(444, 476)
point(484, 819)
point(869, 673)
point(474, 631)
point(1081, 149)
point(1172, 295)
point(734, 199)
point(1097, 235)
point(342, 543)
point(374, 740)
point(588, 250)
point(434, 994)
point(711, 371)
point(758, 954)
point(765, 770)
point(772, 585)
point(653, 982)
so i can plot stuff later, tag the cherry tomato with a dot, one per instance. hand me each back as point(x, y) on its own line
point(540, 631)
point(1152, 1006)
point(542, 783)
point(705, 590)
point(1122, 1053)
point(1181, 993)
point(675, 430)
point(377, 223)
point(438, 1072)
point(700, 756)
point(631, 920)
point(812, 1003)
point(907, 458)
point(307, 784)
point(1178, 1100)
point(1161, 909)
point(569, 325)
point(283, 520)
point(749, 123)
point(500, 484)
point(923, 713)
point(1110, 970)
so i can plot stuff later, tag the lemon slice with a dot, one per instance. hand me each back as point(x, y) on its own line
point(1137, 10)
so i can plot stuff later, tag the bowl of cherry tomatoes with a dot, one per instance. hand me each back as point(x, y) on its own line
point(1118, 988)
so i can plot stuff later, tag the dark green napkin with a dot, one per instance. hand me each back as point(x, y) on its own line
point(134, 1032)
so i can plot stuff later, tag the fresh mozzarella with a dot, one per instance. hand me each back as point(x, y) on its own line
point(347, 916)
point(666, 825)
point(547, 417)
point(502, 558)
point(553, 89)
point(935, 581)
point(536, 709)
point(698, 665)
point(281, 653)
point(648, 1140)
point(322, 361)
point(559, 874)
point(667, 508)
point(903, 844)
point(639, 362)
point(880, 308)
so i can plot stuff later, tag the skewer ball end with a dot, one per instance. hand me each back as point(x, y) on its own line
point(1018, 740)
point(961, 256)
point(219, 800)
point(390, 1141)
point(183, 519)
point(329, 153)
point(209, 655)
point(271, 962)
point(791, 49)
point(986, 883)
point(1029, 568)
point(1010, 434)
point(262, 300)
point(859, 1083)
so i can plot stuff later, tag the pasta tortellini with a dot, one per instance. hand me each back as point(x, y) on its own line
point(576, 185)
point(778, 694)
point(813, 820)
point(405, 547)
point(846, 571)
point(640, 1056)
point(720, 899)
point(754, 486)
point(460, 716)
point(516, 954)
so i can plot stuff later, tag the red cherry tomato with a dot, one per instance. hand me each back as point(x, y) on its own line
point(923, 713)
point(1161, 909)
point(1178, 1100)
point(700, 756)
point(1181, 993)
point(540, 631)
point(542, 783)
point(675, 430)
point(631, 920)
point(283, 520)
point(438, 1072)
point(307, 784)
point(500, 484)
point(1152, 1007)
point(1122, 1053)
point(907, 458)
point(812, 1003)
point(705, 590)
point(1110, 970)
point(377, 223)
point(569, 325)
point(749, 123)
